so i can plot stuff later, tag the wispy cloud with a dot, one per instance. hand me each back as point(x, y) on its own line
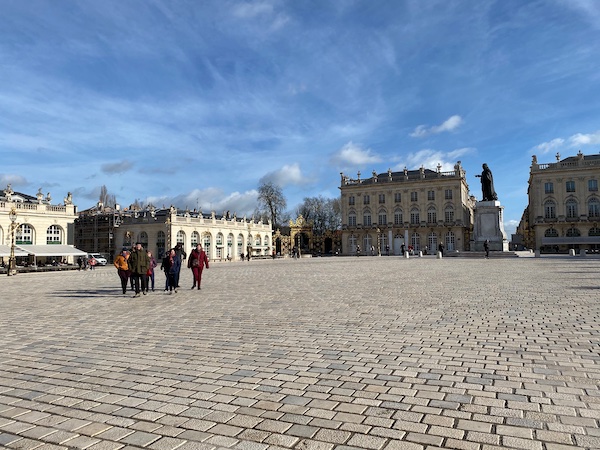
point(430, 159)
point(574, 141)
point(450, 124)
point(117, 167)
point(210, 199)
point(354, 155)
point(585, 139)
point(547, 147)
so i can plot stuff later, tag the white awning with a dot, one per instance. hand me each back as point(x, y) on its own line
point(5, 251)
point(51, 250)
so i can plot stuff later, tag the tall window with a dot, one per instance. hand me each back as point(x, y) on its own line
point(381, 198)
point(206, 243)
point(593, 185)
point(54, 235)
point(414, 216)
point(449, 214)
point(398, 217)
point(367, 218)
point(430, 195)
point(550, 210)
point(448, 194)
point(594, 208)
point(24, 234)
point(160, 243)
point(180, 237)
point(351, 200)
point(450, 241)
point(549, 188)
point(415, 241)
point(143, 239)
point(397, 197)
point(571, 206)
point(195, 239)
point(240, 243)
point(431, 215)
point(367, 242)
point(366, 199)
point(414, 197)
point(383, 242)
point(432, 242)
point(570, 186)
point(220, 239)
point(382, 218)
point(352, 220)
point(352, 243)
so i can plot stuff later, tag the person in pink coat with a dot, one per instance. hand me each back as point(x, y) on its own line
point(197, 261)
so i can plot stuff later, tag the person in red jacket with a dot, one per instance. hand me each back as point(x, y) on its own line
point(196, 262)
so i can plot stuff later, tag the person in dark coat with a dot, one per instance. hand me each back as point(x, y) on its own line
point(171, 266)
point(138, 265)
point(197, 261)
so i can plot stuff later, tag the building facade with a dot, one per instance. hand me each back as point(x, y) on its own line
point(43, 229)
point(416, 208)
point(564, 205)
point(223, 237)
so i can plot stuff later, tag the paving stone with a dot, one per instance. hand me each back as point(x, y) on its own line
point(354, 358)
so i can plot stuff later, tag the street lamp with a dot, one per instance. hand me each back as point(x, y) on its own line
point(12, 264)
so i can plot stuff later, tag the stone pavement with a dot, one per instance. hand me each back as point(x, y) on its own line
point(323, 353)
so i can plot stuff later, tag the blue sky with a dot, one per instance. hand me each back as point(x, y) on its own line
point(195, 102)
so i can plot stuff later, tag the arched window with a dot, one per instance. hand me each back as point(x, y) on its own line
point(593, 207)
point(571, 206)
point(352, 219)
point(195, 238)
point(258, 240)
point(352, 244)
point(432, 242)
point(450, 241)
point(383, 242)
point(449, 214)
point(431, 215)
point(415, 241)
point(367, 242)
point(206, 241)
point(551, 232)
point(54, 235)
point(180, 239)
point(367, 218)
point(414, 216)
point(573, 232)
point(160, 239)
point(240, 244)
point(143, 239)
point(398, 216)
point(594, 231)
point(220, 239)
point(267, 241)
point(25, 235)
point(382, 217)
point(550, 209)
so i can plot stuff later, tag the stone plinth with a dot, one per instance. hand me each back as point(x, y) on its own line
point(489, 225)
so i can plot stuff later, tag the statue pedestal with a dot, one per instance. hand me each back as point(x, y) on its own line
point(489, 225)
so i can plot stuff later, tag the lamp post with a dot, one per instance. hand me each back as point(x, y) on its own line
point(12, 264)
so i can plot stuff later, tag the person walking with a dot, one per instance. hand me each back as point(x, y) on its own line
point(197, 261)
point(150, 272)
point(180, 252)
point(122, 266)
point(441, 248)
point(486, 247)
point(171, 266)
point(138, 264)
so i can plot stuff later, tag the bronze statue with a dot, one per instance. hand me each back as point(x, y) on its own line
point(487, 184)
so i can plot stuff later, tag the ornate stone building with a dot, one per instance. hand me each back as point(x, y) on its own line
point(564, 205)
point(43, 230)
point(419, 208)
point(224, 237)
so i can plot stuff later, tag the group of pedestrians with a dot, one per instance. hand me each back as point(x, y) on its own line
point(136, 268)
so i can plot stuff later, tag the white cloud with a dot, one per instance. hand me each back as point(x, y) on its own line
point(585, 139)
point(546, 147)
point(211, 199)
point(354, 155)
point(450, 124)
point(287, 175)
point(430, 159)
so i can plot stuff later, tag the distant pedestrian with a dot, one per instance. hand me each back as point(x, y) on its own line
point(79, 263)
point(358, 250)
point(120, 263)
point(150, 272)
point(197, 261)
point(486, 247)
point(441, 249)
point(172, 266)
point(403, 249)
point(92, 263)
point(180, 252)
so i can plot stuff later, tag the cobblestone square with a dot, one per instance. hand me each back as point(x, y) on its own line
point(321, 353)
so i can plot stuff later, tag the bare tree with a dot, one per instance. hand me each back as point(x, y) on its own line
point(271, 200)
point(107, 200)
point(324, 213)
